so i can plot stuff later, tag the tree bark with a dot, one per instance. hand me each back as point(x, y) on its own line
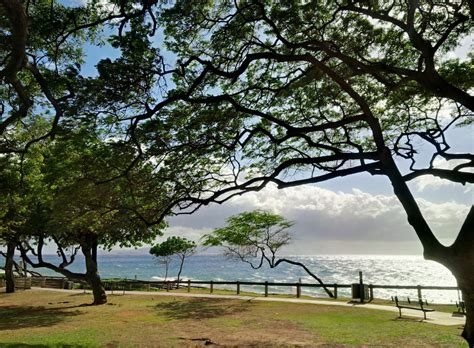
point(10, 278)
point(291, 262)
point(461, 264)
point(92, 274)
point(433, 82)
point(181, 267)
point(468, 332)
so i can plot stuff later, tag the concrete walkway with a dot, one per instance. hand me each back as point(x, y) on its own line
point(438, 318)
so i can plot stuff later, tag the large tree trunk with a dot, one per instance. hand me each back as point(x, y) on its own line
point(461, 264)
point(92, 274)
point(458, 258)
point(468, 332)
point(10, 277)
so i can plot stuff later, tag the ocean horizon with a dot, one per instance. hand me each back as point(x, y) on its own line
point(340, 269)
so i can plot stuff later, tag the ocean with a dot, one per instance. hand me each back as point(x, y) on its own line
point(342, 269)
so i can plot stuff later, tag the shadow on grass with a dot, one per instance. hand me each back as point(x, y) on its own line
point(80, 294)
point(23, 317)
point(200, 308)
point(22, 345)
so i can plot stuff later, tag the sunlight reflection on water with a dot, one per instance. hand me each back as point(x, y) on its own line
point(342, 269)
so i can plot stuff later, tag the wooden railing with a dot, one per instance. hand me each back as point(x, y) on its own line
point(128, 285)
point(20, 283)
point(188, 284)
point(50, 282)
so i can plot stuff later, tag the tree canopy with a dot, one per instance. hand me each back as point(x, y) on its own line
point(256, 237)
point(174, 246)
point(79, 208)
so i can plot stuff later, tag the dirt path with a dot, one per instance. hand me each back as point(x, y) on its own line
point(438, 318)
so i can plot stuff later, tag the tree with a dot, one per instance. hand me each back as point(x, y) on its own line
point(86, 210)
point(48, 79)
point(42, 59)
point(311, 92)
point(255, 238)
point(174, 246)
point(20, 190)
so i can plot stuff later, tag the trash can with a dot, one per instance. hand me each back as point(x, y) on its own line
point(356, 290)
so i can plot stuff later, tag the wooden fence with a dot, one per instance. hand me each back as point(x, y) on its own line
point(20, 283)
point(51, 282)
point(298, 286)
point(128, 285)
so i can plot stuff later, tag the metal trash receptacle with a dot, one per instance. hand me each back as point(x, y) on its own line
point(356, 290)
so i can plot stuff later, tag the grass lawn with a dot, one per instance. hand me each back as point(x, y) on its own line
point(447, 308)
point(40, 318)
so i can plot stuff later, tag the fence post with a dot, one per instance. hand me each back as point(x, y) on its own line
point(335, 291)
point(371, 289)
point(419, 291)
point(266, 289)
point(212, 287)
point(238, 288)
point(189, 285)
point(298, 289)
point(168, 286)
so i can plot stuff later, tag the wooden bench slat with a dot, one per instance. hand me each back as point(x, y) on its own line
point(420, 308)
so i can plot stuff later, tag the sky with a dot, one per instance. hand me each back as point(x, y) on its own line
point(352, 215)
point(346, 220)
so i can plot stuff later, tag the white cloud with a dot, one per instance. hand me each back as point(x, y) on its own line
point(461, 51)
point(425, 182)
point(358, 221)
point(105, 6)
point(184, 231)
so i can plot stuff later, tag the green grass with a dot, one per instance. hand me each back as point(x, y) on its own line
point(48, 319)
point(447, 308)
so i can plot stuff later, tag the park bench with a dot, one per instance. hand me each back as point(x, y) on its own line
point(418, 306)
